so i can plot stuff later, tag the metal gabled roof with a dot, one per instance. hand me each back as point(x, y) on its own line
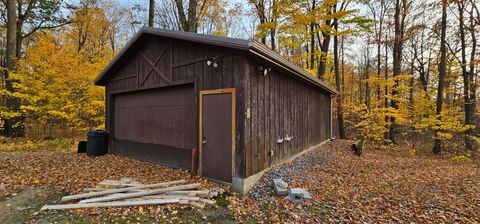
point(254, 48)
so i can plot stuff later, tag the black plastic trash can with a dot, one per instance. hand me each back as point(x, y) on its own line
point(97, 143)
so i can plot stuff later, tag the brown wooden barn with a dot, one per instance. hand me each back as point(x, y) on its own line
point(242, 105)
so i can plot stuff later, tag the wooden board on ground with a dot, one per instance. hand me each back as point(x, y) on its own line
point(112, 191)
point(111, 204)
point(146, 193)
point(191, 193)
point(197, 204)
point(120, 184)
point(118, 195)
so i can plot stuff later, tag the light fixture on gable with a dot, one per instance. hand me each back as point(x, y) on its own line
point(264, 70)
point(212, 62)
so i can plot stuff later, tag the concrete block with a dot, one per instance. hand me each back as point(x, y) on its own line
point(280, 187)
point(298, 195)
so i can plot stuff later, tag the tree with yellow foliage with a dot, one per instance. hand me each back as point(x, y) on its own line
point(54, 79)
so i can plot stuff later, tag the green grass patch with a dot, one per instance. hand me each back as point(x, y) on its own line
point(222, 202)
point(24, 144)
point(320, 210)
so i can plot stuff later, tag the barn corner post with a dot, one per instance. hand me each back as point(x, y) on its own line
point(243, 72)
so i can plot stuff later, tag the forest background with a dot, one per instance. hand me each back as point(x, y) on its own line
point(406, 71)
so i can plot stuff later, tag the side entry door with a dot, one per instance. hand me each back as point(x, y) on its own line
point(217, 134)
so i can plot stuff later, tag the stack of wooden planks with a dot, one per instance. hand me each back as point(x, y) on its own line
point(127, 192)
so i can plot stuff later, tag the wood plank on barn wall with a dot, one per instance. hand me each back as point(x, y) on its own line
point(248, 120)
point(254, 113)
point(284, 116)
point(265, 128)
point(198, 85)
point(294, 119)
point(177, 48)
point(289, 115)
point(316, 117)
point(207, 77)
point(311, 123)
point(228, 72)
point(312, 117)
point(266, 140)
point(298, 121)
point(218, 73)
point(237, 77)
point(183, 55)
point(278, 152)
point(261, 120)
point(190, 72)
point(271, 117)
point(278, 148)
point(305, 118)
point(199, 75)
point(321, 102)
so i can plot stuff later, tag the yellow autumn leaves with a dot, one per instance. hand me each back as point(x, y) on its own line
point(55, 75)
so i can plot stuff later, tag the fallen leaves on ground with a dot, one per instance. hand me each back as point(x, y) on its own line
point(380, 186)
point(71, 172)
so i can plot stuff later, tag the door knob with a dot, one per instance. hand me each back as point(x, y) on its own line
point(204, 141)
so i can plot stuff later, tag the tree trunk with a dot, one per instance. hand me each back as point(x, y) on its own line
point(411, 85)
point(192, 15)
point(386, 71)
point(473, 75)
point(18, 38)
point(379, 57)
point(468, 103)
point(341, 128)
point(367, 76)
point(151, 13)
point(343, 65)
point(399, 19)
point(442, 69)
point(13, 127)
point(273, 31)
point(322, 64)
point(187, 22)
point(312, 41)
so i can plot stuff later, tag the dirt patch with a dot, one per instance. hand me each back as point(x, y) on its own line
point(21, 207)
point(188, 215)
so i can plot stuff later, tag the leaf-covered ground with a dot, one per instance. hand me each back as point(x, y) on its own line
point(66, 172)
point(381, 186)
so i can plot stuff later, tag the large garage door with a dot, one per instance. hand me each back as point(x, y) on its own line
point(157, 125)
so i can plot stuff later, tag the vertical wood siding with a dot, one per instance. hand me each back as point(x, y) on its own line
point(279, 106)
point(157, 62)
